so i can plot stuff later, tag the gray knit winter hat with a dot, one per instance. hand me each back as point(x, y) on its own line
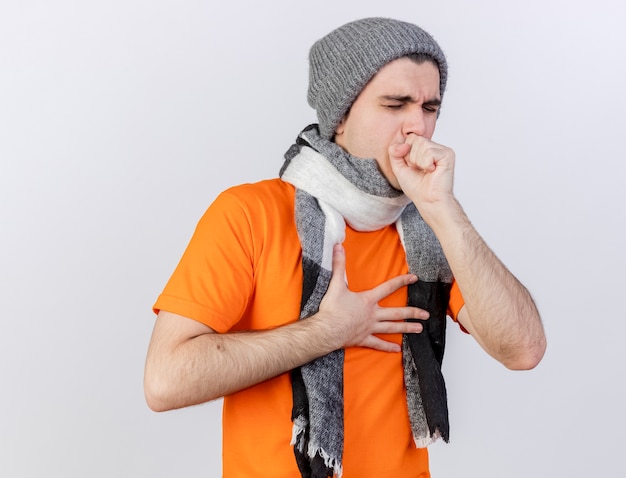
point(343, 62)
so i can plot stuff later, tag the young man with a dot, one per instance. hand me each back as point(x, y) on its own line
point(316, 303)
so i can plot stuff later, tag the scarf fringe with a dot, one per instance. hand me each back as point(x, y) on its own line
point(423, 442)
point(330, 462)
point(298, 441)
point(297, 436)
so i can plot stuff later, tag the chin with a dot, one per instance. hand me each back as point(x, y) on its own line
point(393, 181)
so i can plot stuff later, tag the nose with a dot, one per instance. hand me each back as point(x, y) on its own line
point(415, 122)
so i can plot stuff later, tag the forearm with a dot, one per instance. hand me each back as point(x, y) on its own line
point(499, 311)
point(188, 363)
point(212, 365)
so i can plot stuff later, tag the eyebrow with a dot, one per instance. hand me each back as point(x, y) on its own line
point(410, 99)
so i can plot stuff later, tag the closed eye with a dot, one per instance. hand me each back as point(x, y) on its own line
point(431, 106)
point(397, 102)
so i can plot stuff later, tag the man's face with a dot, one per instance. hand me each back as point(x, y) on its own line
point(402, 98)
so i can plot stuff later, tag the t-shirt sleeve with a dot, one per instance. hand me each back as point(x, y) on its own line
point(213, 281)
point(456, 302)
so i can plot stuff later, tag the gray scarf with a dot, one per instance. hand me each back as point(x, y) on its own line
point(334, 188)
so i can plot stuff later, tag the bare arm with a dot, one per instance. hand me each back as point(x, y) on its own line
point(499, 312)
point(188, 363)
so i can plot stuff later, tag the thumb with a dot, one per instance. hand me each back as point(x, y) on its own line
point(339, 265)
point(398, 151)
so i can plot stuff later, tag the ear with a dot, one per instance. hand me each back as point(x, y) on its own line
point(340, 127)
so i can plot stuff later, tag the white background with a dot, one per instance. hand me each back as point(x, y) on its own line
point(120, 122)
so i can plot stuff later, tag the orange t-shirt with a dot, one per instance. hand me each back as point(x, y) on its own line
point(242, 271)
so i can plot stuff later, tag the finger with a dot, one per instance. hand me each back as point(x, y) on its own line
point(401, 327)
point(424, 159)
point(395, 314)
point(377, 343)
point(424, 153)
point(422, 142)
point(389, 287)
point(429, 155)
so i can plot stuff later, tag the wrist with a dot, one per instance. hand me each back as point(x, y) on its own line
point(442, 213)
point(324, 333)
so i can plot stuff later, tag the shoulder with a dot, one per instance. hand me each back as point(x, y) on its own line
point(267, 192)
point(252, 207)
